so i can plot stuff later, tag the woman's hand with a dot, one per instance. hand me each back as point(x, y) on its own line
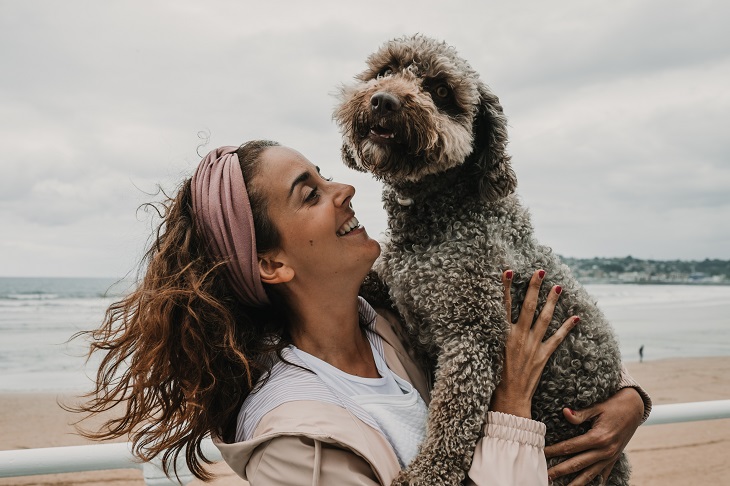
point(525, 352)
point(613, 424)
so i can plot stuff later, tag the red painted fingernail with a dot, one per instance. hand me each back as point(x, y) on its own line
point(541, 273)
point(576, 320)
point(558, 289)
point(509, 274)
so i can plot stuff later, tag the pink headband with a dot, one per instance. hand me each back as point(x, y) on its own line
point(223, 212)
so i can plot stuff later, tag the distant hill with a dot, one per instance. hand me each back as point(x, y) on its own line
point(632, 270)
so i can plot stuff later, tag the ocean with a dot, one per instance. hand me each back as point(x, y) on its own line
point(38, 316)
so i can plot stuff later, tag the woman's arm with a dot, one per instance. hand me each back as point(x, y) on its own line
point(613, 424)
point(613, 421)
point(526, 354)
point(511, 450)
point(627, 381)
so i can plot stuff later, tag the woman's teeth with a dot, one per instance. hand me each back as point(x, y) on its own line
point(349, 226)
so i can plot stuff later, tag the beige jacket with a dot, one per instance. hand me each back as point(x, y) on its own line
point(307, 442)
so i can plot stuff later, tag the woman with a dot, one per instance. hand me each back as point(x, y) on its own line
point(259, 337)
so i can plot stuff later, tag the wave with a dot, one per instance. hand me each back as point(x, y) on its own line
point(19, 289)
point(39, 295)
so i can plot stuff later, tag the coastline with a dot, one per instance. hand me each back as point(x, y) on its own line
point(674, 454)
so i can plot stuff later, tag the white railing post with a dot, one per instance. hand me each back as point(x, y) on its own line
point(53, 460)
point(101, 457)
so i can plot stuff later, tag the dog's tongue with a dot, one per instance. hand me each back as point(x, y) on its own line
point(381, 132)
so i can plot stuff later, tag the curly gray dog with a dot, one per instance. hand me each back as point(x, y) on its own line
point(420, 119)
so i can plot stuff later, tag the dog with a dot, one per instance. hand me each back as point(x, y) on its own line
point(420, 120)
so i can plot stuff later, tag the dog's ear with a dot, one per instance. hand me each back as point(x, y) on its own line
point(489, 158)
point(349, 159)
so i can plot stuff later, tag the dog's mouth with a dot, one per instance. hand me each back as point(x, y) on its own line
point(379, 133)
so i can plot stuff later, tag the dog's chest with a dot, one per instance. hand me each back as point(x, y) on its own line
point(444, 232)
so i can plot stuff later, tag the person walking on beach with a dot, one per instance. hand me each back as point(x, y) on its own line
point(247, 325)
point(641, 354)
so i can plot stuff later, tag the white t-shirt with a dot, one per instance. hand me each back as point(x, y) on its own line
point(391, 401)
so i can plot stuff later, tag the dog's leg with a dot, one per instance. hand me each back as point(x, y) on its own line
point(466, 376)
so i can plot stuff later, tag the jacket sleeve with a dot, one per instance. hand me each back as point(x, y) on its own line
point(628, 382)
point(510, 452)
point(301, 461)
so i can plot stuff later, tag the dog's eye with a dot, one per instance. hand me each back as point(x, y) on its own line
point(442, 91)
point(384, 73)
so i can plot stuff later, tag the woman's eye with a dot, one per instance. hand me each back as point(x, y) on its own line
point(313, 195)
point(442, 91)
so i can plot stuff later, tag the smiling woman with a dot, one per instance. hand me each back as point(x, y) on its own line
point(247, 325)
point(321, 241)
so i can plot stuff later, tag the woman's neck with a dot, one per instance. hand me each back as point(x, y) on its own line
point(329, 329)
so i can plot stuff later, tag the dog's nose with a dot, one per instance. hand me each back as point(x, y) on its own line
point(383, 103)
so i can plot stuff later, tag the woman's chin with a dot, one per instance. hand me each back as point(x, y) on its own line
point(376, 252)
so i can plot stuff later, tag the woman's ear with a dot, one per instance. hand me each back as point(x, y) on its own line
point(274, 271)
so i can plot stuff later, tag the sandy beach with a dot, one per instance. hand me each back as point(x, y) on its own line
point(677, 454)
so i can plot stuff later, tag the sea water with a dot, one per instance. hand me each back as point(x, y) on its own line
point(38, 317)
point(668, 320)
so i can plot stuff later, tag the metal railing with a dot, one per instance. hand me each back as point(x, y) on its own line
point(101, 457)
point(96, 457)
point(688, 412)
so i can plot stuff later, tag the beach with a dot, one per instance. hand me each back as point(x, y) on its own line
point(675, 454)
point(685, 453)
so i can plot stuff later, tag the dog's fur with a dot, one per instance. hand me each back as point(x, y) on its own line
point(420, 119)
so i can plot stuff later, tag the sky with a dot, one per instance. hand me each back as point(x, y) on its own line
point(618, 113)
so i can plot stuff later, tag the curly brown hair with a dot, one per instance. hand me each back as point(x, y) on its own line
point(180, 352)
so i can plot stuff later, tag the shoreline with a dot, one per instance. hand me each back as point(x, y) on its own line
point(685, 453)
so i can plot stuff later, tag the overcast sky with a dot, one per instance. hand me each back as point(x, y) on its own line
point(618, 113)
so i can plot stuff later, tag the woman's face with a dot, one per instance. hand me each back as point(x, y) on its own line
point(320, 238)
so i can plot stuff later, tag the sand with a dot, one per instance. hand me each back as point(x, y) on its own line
point(686, 453)
point(676, 454)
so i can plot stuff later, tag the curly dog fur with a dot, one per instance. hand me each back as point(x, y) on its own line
point(420, 119)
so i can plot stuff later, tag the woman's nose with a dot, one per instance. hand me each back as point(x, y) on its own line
point(343, 195)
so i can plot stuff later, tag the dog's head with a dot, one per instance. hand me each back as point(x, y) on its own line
point(420, 109)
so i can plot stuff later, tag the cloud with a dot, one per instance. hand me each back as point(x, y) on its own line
point(617, 112)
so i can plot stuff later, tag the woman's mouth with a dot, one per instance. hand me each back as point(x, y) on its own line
point(349, 225)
